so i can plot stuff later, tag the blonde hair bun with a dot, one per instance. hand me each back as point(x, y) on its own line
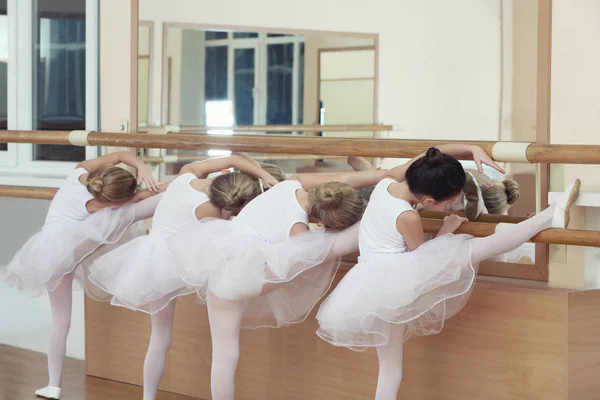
point(336, 205)
point(111, 184)
point(512, 191)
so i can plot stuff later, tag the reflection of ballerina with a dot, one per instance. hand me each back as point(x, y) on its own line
point(483, 195)
point(402, 286)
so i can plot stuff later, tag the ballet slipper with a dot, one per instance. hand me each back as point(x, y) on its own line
point(49, 392)
point(562, 217)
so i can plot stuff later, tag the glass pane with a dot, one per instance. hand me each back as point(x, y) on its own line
point(215, 35)
point(244, 86)
point(278, 34)
point(301, 85)
point(215, 73)
point(279, 83)
point(244, 35)
point(3, 69)
point(59, 75)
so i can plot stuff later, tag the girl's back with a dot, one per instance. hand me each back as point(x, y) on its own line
point(275, 212)
point(378, 232)
point(176, 209)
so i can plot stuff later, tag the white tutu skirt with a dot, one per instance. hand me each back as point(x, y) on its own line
point(419, 289)
point(139, 275)
point(279, 283)
point(59, 248)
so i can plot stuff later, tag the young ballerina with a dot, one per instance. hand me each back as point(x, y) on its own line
point(403, 286)
point(94, 207)
point(141, 274)
point(257, 270)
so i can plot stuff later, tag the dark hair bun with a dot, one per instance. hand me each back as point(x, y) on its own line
point(432, 152)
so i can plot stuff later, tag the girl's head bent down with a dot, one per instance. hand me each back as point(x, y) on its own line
point(111, 184)
point(232, 191)
point(436, 179)
point(335, 205)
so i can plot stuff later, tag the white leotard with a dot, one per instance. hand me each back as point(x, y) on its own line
point(378, 232)
point(275, 212)
point(177, 209)
point(69, 203)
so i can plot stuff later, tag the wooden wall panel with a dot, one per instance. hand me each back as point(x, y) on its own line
point(584, 345)
point(508, 343)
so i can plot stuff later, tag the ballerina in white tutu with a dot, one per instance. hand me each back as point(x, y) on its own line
point(403, 286)
point(141, 275)
point(256, 270)
point(94, 207)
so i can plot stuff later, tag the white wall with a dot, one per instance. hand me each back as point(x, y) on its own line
point(575, 117)
point(439, 61)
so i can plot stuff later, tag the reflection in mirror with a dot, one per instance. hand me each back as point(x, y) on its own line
point(479, 85)
point(145, 41)
point(243, 77)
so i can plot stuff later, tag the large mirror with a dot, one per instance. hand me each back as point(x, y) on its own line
point(471, 76)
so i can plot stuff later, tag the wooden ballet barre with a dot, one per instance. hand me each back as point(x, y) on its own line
point(28, 192)
point(170, 159)
point(271, 128)
point(570, 237)
point(491, 218)
point(479, 229)
point(392, 148)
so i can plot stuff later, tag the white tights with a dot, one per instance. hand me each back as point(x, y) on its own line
point(225, 319)
point(61, 300)
point(160, 341)
point(390, 355)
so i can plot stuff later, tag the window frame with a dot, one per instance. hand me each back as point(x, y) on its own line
point(259, 44)
point(17, 166)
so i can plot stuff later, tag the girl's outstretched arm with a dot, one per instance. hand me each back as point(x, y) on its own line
point(243, 163)
point(123, 157)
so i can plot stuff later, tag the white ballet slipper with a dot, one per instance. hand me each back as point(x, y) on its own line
point(49, 392)
point(562, 217)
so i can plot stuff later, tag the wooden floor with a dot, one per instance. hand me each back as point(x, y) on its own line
point(23, 371)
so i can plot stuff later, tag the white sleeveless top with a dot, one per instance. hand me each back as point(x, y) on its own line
point(177, 208)
point(69, 202)
point(275, 212)
point(378, 232)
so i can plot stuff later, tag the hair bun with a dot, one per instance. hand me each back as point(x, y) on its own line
point(512, 191)
point(95, 186)
point(331, 198)
point(433, 156)
point(432, 152)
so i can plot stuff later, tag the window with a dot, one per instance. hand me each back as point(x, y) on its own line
point(261, 74)
point(55, 87)
point(59, 76)
point(279, 83)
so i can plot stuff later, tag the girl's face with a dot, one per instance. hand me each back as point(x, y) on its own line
point(457, 205)
point(430, 204)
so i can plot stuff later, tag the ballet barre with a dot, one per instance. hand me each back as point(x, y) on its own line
point(570, 237)
point(479, 229)
point(492, 218)
point(25, 192)
point(176, 158)
point(267, 128)
point(392, 148)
